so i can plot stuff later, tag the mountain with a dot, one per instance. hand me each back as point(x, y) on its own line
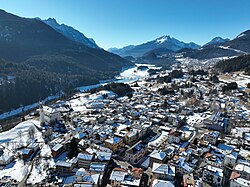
point(70, 33)
point(240, 45)
point(44, 61)
point(217, 40)
point(165, 41)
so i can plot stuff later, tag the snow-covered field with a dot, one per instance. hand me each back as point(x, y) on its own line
point(17, 172)
point(79, 104)
point(240, 79)
point(38, 172)
point(20, 134)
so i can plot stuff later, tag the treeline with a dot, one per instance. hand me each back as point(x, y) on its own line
point(172, 75)
point(31, 84)
point(241, 63)
point(120, 89)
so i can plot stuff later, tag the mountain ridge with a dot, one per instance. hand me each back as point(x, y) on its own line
point(70, 32)
point(164, 41)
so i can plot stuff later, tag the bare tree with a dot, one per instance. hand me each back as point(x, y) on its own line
point(20, 133)
point(32, 132)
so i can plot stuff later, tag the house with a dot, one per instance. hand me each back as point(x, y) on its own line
point(243, 170)
point(162, 183)
point(95, 105)
point(163, 171)
point(211, 137)
point(5, 157)
point(237, 181)
point(84, 160)
point(131, 137)
point(213, 175)
point(49, 115)
point(57, 150)
point(157, 157)
point(102, 156)
point(183, 167)
point(82, 177)
point(26, 153)
point(113, 143)
point(188, 180)
point(64, 167)
point(217, 123)
point(97, 167)
point(230, 159)
point(81, 172)
point(117, 176)
point(174, 137)
point(136, 152)
point(122, 177)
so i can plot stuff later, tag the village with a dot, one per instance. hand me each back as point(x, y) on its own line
point(183, 127)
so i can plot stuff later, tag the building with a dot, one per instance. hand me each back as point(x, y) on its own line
point(136, 152)
point(237, 181)
point(217, 123)
point(157, 157)
point(174, 137)
point(213, 175)
point(211, 137)
point(49, 114)
point(243, 170)
point(64, 167)
point(188, 180)
point(113, 143)
point(84, 160)
point(122, 177)
point(162, 183)
point(163, 171)
point(57, 150)
point(230, 159)
point(5, 158)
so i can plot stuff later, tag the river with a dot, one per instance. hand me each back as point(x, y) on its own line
point(127, 75)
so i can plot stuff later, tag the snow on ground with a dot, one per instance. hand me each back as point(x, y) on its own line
point(79, 104)
point(238, 131)
point(240, 79)
point(236, 50)
point(196, 118)
point(45, 151)
point(17, 172)
point(39, 169)
point(25, 108)
point(11, 137)
point(133, 73)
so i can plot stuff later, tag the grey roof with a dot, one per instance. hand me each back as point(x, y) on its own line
point(85, 156)
point(63, 164)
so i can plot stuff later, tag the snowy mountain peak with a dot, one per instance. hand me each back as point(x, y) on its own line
point(70, 33)
point(162, 39)
point(217, 40)
point(165, 42)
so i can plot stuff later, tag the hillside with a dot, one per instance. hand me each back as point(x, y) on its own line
point(241, 63)
point(44, 62)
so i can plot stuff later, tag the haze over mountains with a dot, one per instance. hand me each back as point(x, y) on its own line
point(166, 46)
point(165, 41)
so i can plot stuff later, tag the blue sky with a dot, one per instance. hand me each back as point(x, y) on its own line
point(117, 23)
